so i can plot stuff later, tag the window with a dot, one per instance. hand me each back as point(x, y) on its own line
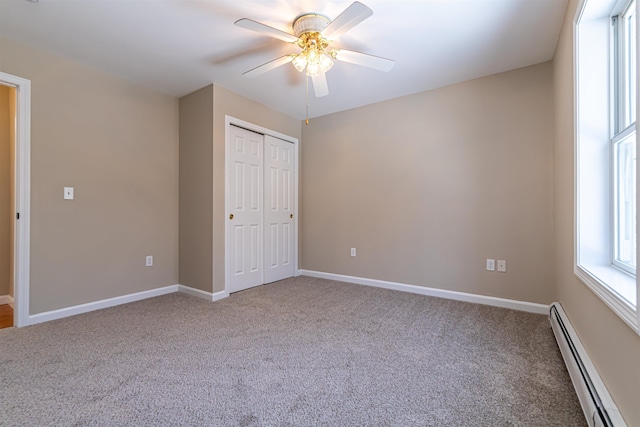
point(606, 147)
point(623, 141)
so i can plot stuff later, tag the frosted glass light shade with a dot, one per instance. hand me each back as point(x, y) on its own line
point(313, 69)
point(325, 63)
point(300, 61)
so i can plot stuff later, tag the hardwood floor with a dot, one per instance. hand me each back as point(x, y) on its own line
point(6, 316)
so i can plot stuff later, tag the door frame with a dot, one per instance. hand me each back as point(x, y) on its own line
point(232, 121)
point(21, 250)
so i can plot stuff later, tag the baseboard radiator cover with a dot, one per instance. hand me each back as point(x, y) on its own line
point(598, 406)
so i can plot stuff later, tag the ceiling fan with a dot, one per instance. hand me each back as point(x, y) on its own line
point(314, 33)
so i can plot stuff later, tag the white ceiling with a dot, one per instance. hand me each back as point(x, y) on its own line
point(178, 46)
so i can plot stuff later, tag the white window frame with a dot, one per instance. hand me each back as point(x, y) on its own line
point(594, 190)
point(624, 126)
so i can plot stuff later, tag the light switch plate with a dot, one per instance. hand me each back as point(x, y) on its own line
point(68, 193)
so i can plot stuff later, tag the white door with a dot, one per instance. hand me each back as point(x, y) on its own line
point(278, 209)
point(245, 172)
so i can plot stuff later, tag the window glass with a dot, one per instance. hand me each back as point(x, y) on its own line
point(624, 60)
point(628, 64)
point(625, 186)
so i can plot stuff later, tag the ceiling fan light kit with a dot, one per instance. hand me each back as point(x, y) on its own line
point(308, 28)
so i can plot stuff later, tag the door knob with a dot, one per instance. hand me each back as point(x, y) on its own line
point(291, 216)
point(231, 216)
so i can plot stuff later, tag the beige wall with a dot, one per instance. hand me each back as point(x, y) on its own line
point(117, 144)
point(5, 191)
point(426, 187)
point(612, 346)
point(196, 189)
point(228, 103)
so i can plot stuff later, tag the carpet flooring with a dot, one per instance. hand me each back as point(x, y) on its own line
point(300, 352)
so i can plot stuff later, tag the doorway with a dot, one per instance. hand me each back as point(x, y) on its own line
point(7, 203)
point(15, 95)
point(261, 206)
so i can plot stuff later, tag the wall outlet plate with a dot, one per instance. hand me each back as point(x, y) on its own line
point(68, 193)
point(491, 264)
point(502, 266)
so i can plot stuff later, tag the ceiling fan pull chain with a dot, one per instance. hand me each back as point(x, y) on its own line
point(307, 85)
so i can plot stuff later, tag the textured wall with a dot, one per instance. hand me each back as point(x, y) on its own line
point(428, 186)
point(612, 346)
point(117, 144)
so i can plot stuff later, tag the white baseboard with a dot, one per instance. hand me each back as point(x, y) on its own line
point(124, 299)
point(195, 292)
point(97, 305)
point(215, 296)
point(433, 292)
point(6, 299)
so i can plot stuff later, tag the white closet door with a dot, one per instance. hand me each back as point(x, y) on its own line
point(278, 209)
point(245, 229)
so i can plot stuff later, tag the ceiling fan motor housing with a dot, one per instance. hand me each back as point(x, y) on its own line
point(309, 23)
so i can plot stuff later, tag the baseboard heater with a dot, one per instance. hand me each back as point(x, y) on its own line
point(597, 405)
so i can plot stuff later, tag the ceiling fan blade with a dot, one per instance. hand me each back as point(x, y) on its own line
point(252, 25)
point(375, 62)
point(320, 86)
point(261, 69)
point(349, 18)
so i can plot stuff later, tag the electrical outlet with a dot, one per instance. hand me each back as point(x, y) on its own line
point(68, 193)
point(149, 260)
point(353, 251)
point(502, 266)
point(491, 264)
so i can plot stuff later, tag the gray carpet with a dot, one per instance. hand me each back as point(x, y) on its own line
point(299, 352)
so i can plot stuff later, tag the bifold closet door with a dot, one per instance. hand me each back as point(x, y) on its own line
point(245, 230)
point(278, 209)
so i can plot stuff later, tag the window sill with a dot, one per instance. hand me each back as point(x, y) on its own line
point(614, 287)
